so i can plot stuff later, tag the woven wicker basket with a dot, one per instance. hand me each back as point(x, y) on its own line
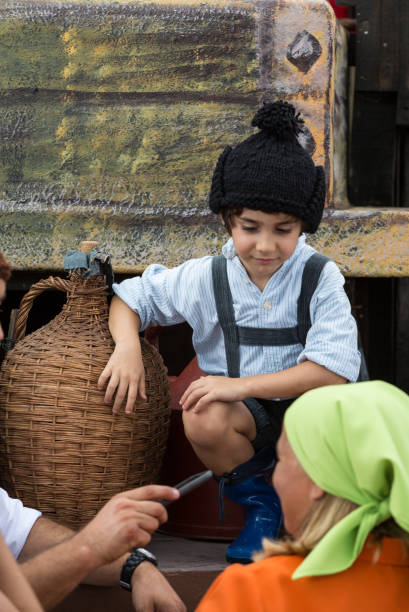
point(63, 451)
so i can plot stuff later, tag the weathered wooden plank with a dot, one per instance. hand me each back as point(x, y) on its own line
point(340, 121)
point(158, 47)
point(402, 111)
point(364, 242)
point(377, 45)
point(104, 144)
point(65, 152)
point(374, 150)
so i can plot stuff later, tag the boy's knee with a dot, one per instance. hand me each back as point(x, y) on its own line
point(207, 427)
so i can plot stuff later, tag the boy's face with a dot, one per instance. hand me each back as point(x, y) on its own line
point(264, 241)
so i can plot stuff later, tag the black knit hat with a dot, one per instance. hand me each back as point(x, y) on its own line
point(271, 171)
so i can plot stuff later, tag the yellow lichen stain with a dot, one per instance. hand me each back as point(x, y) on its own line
point(370, 251)
point(72, 50)
point(101, 50)
point(70, 70)
point(65, 37)
point(62, 130)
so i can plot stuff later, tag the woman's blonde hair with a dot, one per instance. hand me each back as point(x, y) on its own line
point(326, 512)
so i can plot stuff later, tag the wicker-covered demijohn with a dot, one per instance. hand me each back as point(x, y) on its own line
point(62, 449)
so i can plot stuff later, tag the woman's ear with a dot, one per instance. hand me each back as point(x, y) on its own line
point(316, 492)
point(221, 219)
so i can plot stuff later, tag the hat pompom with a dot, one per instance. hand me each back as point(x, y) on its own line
point(278, 119)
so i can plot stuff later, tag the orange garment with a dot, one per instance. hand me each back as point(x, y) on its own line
point(377, 582)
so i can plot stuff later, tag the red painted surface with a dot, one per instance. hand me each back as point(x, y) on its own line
point(197, 514)
point(340, 11)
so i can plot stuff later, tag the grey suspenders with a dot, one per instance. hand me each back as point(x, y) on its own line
point(234, 335)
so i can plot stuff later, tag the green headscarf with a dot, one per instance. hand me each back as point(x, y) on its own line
point(352, 440)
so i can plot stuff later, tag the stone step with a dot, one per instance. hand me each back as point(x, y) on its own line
point(176, 554)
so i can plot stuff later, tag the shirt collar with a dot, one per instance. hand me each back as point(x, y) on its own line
point(228, 249)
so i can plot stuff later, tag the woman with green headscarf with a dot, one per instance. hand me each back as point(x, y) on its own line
point(343, 480)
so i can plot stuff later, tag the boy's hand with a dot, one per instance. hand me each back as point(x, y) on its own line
point(209, 389)
point(126, 376)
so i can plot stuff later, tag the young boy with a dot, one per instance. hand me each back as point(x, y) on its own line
point(267, 326)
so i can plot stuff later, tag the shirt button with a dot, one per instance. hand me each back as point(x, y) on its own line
point(267, 305)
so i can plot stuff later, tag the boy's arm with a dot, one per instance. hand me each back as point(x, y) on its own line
point(291, 382)
point(124, 370)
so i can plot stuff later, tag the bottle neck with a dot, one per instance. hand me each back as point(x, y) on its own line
point(87, 295)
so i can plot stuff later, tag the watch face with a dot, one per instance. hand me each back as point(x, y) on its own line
point(149, 556)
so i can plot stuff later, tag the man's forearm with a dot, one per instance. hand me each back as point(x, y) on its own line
point(54, 573)
point(51, 562)
point(57, 571)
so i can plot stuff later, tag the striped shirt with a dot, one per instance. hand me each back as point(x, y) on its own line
point(163, 296)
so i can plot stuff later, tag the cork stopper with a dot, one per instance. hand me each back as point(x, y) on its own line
point(86, 246)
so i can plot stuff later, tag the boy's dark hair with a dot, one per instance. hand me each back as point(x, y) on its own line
point(228, 215)
point(5, 269)
point(270, 171)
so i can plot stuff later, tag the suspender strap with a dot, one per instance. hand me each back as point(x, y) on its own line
point(311, 275)
point(256, 336)
point(225, 313)
point(310, 278)
point(235, 335)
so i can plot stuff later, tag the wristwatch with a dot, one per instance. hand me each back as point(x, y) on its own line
point(137, 556)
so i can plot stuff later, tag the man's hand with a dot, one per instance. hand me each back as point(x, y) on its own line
point(126, 376)
point(125, 522)
point(56, 559)
point(151, 592)
point(207, 389)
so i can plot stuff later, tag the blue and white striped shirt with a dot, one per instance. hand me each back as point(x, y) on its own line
point(163, 296)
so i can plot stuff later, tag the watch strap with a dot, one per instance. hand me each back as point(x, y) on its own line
point(137, 556)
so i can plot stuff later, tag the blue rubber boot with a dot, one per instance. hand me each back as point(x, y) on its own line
point(262, 513)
